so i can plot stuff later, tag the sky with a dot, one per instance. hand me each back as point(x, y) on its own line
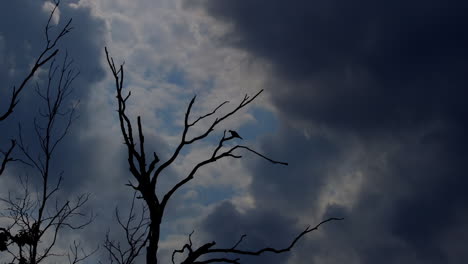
point(365, 100)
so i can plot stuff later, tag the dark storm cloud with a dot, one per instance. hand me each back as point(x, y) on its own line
point(359, 64)
point(386, 81)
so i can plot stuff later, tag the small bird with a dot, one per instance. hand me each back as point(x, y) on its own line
point(234, 134)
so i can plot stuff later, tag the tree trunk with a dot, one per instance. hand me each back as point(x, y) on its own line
point(152, 249)
point(154, 232)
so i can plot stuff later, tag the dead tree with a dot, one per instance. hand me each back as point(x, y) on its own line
point(36, 217)
point(48, 53)
point(147, 170)
point(33, 217)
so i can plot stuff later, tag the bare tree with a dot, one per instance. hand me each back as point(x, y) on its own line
point(146, 173)
point(36, 216)
point(48, 53)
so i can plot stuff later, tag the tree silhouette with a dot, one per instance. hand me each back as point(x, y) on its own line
point(34, 218)
point(144, 231)
point(48, 53)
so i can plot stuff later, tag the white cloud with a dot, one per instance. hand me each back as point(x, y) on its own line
point(48, 7)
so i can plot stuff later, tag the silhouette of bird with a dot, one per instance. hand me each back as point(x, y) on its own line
point(235, 134)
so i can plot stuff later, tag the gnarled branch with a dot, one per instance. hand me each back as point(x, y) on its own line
point(206, 249)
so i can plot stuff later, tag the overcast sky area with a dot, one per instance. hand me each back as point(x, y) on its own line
point(366, 101)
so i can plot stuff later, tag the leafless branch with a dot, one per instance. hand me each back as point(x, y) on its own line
point(186, 246)
point(206, 249)
point(214, 157)
point(33, 218)
point(49, 52)
point(147, 177)
point(7, 156)
point(238, 242)
point(136, 235)
point(207, 115)
point(77, 254)
point(184, 141)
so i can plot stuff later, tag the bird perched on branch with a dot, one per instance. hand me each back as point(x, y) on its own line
point(234, 134)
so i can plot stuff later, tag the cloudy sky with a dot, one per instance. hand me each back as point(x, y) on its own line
point(364, 99)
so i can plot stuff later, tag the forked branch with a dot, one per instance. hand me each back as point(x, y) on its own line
point(216, 155)
point(135, 228)
point(147, 174)
point(207, 249)
point(34, 219)
point(184, 141)
point(7, 156)
point(49, 52)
